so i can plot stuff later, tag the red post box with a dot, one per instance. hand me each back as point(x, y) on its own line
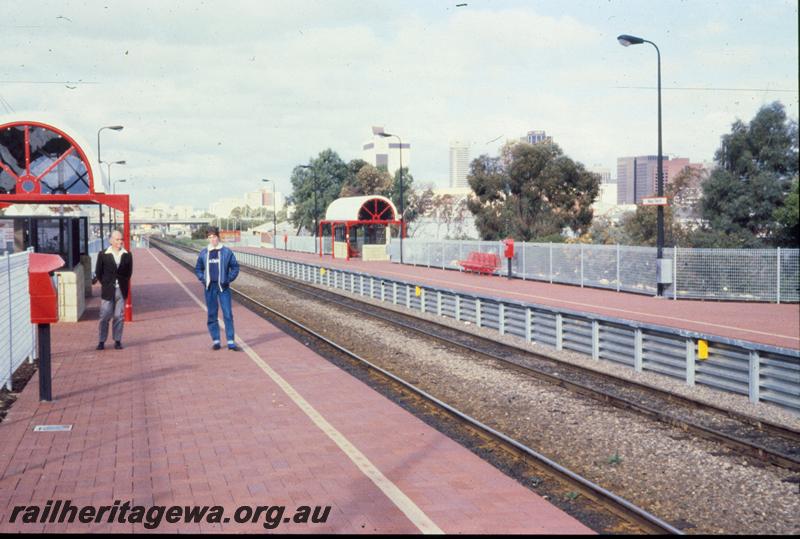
point(44, 311)
point(44, 298)
point(508, 252)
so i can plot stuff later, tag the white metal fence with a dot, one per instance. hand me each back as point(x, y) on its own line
point(727, 274)
point(16, 331)
point(304, 244)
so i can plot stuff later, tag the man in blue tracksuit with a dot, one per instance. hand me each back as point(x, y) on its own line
point(217, 268)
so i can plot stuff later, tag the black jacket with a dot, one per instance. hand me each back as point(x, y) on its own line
point(107, 272)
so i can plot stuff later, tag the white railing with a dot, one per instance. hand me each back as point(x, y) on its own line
point(17, 337)
point(723, 274)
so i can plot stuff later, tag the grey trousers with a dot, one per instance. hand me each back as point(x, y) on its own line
point(108, 308)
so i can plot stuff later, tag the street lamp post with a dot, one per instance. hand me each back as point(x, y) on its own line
point(627, 40)
point(108, 164)
point(379, 131)
point(274, 217)
point(316, 188)
point(112, 127)
point(99, 161)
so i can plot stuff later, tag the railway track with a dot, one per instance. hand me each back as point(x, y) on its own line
point(758, 439)
point(634, 518)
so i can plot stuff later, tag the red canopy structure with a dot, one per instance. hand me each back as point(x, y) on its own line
point(373, 214)
point(41, 164)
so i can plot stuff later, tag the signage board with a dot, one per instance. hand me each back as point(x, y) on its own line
point(655, 201)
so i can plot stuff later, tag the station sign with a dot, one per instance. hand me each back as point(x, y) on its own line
point(655, 201)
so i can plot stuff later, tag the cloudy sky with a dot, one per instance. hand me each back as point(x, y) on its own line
point(215, 95)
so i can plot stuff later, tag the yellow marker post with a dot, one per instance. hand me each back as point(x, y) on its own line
point(418, 291)
point(322, 271)
point(702, 349)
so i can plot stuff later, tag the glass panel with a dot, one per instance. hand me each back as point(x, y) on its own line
point(69, 176)
point(48, 235)
point(12, 155)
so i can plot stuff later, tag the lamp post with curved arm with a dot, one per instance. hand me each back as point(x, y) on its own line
point(380, 132)
point(114, 212)
point(99, 161)
point(274, 216)
point(627, 40)
point(112, 127)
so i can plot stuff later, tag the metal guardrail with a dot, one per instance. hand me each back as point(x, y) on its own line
point(723, 274)
point(764, 373)
point(17, 337)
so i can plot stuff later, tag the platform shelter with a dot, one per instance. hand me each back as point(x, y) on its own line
point(44, 164)
point(360, 227)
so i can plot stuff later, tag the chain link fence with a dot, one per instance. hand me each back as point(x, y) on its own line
point(724, 274)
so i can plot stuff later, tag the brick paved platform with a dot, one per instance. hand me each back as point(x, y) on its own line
point(168, 421)
point(766, 323)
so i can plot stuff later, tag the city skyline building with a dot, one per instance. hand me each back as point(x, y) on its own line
point(637, 178)
point(536, 137)
point(605, 174)
point(459, 164)
point(385, 152)
point(262, 198)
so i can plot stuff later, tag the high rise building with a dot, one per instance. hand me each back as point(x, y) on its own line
point(535, 137)
point(603, 172)
point(262, 198)
point(459, 164)
point(637, 177)
point(224, 206)
point(385, 152)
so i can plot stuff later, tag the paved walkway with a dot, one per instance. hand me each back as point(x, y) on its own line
point(767, 323)
point(167, 421)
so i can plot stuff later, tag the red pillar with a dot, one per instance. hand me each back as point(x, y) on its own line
point(319, 235)
point(347, 241)
point(126, 216)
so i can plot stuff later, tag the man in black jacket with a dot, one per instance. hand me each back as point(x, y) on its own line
point(113, 269)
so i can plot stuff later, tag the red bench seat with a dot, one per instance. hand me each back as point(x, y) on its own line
point(481, 262)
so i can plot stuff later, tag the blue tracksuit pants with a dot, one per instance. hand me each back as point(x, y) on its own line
point(214, 298)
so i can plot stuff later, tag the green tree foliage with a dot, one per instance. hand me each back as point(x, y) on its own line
point(640, 227)
point(351, 184)
point(419, 204)
point(327, 175)
point(757, 163)
point(367, 180)
point(787, 218)
point(531, 191)
point(412, 201)
point(449, 211)
point(201, 233)
point(605, 232)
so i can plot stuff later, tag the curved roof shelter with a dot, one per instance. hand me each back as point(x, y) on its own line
point(372, 212)
point(363, 208)
point(44, 164)
point(37, 158)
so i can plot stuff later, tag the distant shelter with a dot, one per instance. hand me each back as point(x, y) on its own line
point(360, 227)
